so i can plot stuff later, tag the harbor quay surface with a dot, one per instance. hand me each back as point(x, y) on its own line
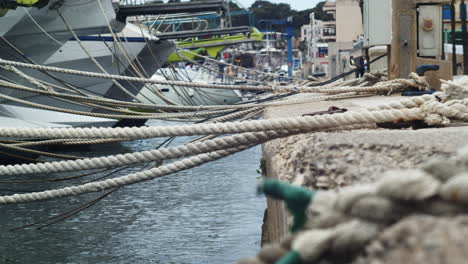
point(336, 159)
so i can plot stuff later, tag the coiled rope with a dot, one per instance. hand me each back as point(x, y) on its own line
point(344, 222)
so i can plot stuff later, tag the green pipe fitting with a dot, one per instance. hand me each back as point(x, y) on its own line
point(297, 199)
point(292, 257)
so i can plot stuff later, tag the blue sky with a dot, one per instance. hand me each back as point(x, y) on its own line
point(295, 4)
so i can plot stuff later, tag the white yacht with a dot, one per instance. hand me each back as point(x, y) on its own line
point(39, 35)
point(187, 95)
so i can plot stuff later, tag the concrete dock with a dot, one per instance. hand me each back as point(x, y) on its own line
point(330, 160)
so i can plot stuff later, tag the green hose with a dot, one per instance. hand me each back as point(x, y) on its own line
point(292, 257)
point(297, 199)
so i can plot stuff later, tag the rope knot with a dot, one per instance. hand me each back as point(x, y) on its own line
point(436, 113)
point(419, 82)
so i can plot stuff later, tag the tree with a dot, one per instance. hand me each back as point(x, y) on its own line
point(267, 10)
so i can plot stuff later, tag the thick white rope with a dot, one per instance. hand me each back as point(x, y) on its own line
point(169, 107)
point(344, 222)
point(141, 157)
point(392, 85)
point(386, 87)
point(27, 77)
point(115, 116)
point(134, 79)
point(121, 181)
point(309, 123)
point(413, 102)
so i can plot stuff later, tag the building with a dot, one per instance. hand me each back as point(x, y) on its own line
point(329, 27)
point(326, 30)
point(320, 28)
point(349, 32)
point(340, 35)
point(315, 37)
point(348, 21)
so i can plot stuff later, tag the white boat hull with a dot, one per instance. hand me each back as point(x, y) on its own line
point(146, 55)
point(190, 96)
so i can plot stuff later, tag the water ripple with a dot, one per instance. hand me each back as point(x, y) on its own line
point(206, 215)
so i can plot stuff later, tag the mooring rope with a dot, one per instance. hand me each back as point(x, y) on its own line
point(344, 222)
point(122, 181)
point(185, 150)
point(117, 84)
point(309, 123)
point(329, 224)
point(393, 85)
point(434, 108)
point(141, 116)
point(433, 112)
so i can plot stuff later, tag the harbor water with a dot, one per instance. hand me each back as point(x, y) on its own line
point(209, 214)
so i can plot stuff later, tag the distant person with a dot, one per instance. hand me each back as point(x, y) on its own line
point(352, 63)
point(362, 69)
point(221, 66)
point(359, 63)
point(344, 62)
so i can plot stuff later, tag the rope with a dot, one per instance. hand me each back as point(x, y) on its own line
point(228, 64)
point(113, 116)
point(91, 57)
point(141, 157)
point(413, 102)
point(387, 87)
point(37, 152)
point(132, 79)
point(117, 42)
point(303, 123)
point(218, 72)
point(67, 142)
point(121, 181)
point(336, 224)
point(27, 77)
point(395, 84)
point(344, 222)
point(343, 75)
point(112, 102)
